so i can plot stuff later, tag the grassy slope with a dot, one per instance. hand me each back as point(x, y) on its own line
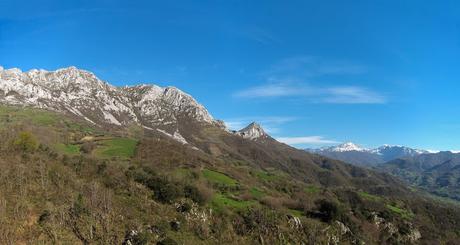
point(61, 194)
point(116, 147)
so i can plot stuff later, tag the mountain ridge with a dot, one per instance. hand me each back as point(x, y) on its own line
point(81, 93)
point(355, 154)
point(252, 183)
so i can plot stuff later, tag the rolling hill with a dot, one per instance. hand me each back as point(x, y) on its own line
point(436, 173)
point(97, 164)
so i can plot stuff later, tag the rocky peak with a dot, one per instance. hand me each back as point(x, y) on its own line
point(253, 131)
point(348, 146)
point(81, 93)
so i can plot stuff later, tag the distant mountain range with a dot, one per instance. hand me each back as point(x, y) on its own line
point(355, 154)
point(435, 172)
point(119, 151)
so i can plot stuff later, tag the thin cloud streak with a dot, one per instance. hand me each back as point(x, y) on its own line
point(332, 95)
point(310, 66)
point(353, 95)
point(289, 77)
point(271, 90)
point(312, 140)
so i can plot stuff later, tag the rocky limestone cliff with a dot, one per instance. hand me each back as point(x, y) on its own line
point(82, 94)
point(253, 131)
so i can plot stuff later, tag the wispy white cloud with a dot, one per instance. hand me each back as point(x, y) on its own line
point(292, 77)
point(260, 35)
point(335, 95)
point(311, 140)
point(352, 95)
point(272, 90)
point(311, 66)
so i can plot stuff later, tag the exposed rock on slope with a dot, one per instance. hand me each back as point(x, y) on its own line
point(253, 131)
point(82, 94)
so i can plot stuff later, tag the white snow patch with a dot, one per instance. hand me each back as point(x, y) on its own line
point(349, 146)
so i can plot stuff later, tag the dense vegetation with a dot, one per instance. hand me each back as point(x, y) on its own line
point(437, 173)
point(68, 182)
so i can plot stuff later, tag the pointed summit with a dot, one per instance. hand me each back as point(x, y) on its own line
point(252, 131)
point(80, 93)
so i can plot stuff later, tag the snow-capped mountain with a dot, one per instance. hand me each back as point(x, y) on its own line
point(390, 152)
point(349, 146)
point(80, 93)
point(352, 153)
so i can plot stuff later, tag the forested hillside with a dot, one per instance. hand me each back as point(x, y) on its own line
point(66, 181)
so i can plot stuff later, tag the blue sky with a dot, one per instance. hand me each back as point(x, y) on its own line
point(312, 73)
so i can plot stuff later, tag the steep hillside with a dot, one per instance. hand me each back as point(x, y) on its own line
point(149, 165)
point(437, 173)
point(81, 94)
point(66, 181)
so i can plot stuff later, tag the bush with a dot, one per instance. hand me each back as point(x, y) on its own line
point(184, 207)
point(329, 211)
point(258, 221)
point(138, 175)
point(272, 202)
point(45, 216)
point(193, 193)
point(164, 190)
point(101, 168)
point(78, 209)
point(26, 142)
point(87, 147)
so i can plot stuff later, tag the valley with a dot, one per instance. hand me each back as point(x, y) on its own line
point(79, 178)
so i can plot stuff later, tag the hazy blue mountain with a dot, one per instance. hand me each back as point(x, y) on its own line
point(355, 154)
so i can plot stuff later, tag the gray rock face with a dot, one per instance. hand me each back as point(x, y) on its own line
point(253, 131)
point(82, 94)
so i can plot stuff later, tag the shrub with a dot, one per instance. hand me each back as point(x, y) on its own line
point(258, 221)
point(45, 216)
point(138, 175)
point(101, 168)
point(164, 190)
point(271, 202)
point(26, 142)
point(78, 209)
point(184, 207)
point(193, 193)
point(87, 147)
point(329, 211)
